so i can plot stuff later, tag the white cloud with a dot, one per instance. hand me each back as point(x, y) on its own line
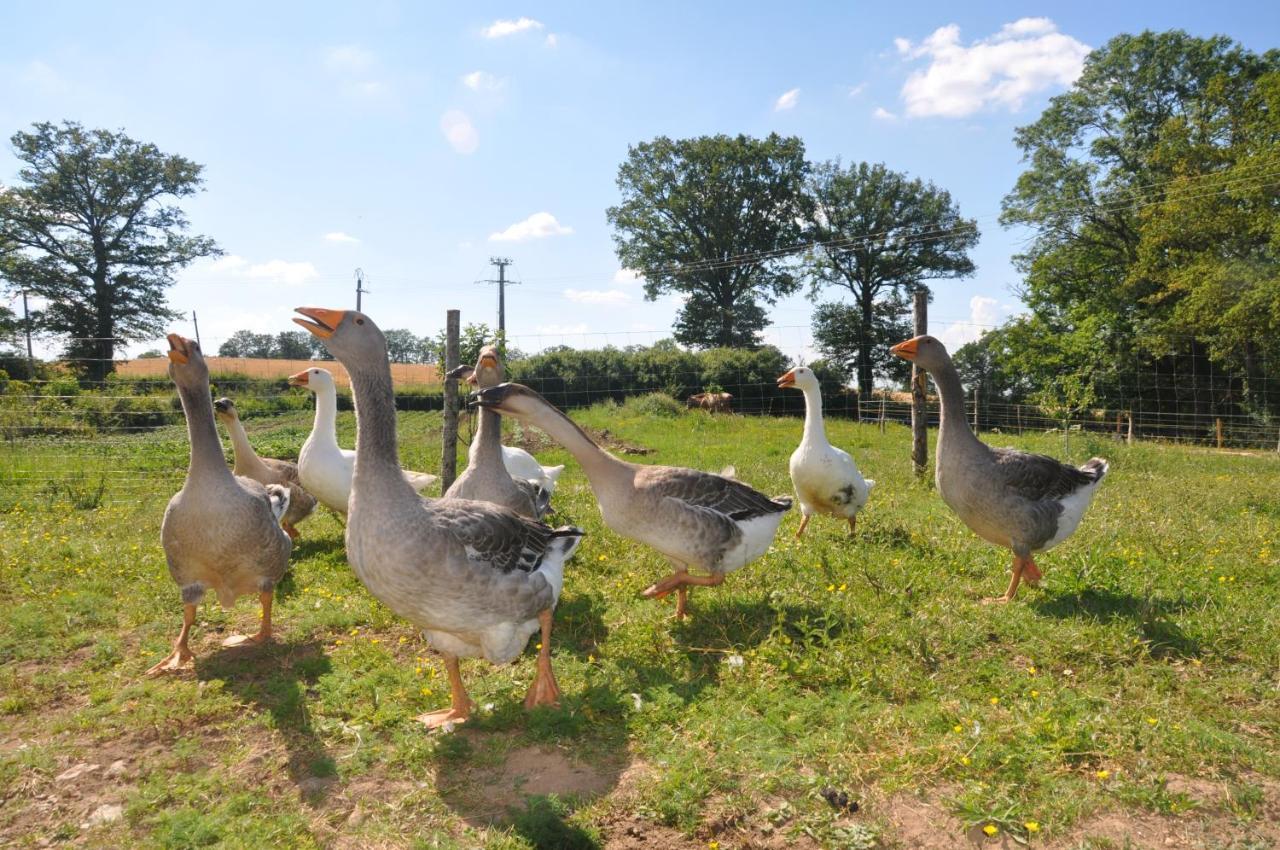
point(540, 225)
point(787, 100)
point(339, 236)
point(1001, 71)
point(282, 271)
point(349, 59)
point(505, 27)
point(612, 297)
point(460, 132)
point(483, 81)
point(228, 263)
point(552, 40)
point(854, 91)
point(984, 314)
point(627, 276)
point(882, 114)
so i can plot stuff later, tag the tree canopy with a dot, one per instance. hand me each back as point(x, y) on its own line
point(878, 235)
point(92, 234)
point(704, 218)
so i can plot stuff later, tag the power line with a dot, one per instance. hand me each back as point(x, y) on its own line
point(501, 263)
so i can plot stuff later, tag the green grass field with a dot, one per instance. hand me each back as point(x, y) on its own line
point(1133, 700)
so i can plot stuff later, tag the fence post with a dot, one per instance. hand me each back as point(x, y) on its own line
point(919, 425)
point(975, 410)
point(1217, 428)
point(1128, 439)
point(882, 398)
point(449, 447)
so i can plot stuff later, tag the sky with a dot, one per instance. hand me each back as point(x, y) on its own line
point(415, 141)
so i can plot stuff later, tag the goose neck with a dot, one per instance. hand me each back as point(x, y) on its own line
point(814, 430)
point(326, 422)
point(598, 464)
point(245, 456)
point(952, 428)
point(377, 455)
point(206, 448)
point(487, 446)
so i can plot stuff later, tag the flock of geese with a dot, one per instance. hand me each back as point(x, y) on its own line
point(477, 570)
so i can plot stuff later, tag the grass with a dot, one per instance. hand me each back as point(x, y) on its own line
point(1148, 659)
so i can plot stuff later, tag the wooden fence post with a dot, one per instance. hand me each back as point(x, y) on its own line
point(1217, 428)
point(919, 425)
point(1128, 439)
point(449, 446)
point(975, 410)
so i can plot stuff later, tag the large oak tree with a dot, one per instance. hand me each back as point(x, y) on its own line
point(708, 218)
point(96, 237)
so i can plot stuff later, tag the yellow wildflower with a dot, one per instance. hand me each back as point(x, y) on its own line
point(957, 728)
point(995, 700)
point(991, 829)
point(1103, 774)
point(1032, 826)
point(964, 760)
point(1035, 694)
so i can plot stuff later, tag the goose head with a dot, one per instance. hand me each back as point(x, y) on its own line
point(800, 378)
point(515, 399)
point(488, 371)
point(350, 335)
point(225, 409)
point(186, 363)
point(925, 351)
point(314, 379)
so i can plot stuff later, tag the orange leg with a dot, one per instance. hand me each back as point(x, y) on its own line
point(1031, 574)
point(678, 581)
point(264, 631)
point(460, 705)
point(853, 525)
point(290, 530)
point(181, 655)
point(544, 690)
point(804, 522)
point(1019, 566)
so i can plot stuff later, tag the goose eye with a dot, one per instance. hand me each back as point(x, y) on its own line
point(359, 321)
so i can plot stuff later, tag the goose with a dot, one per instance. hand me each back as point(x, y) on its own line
point(826, 479)
point(265, 470)
point(477, 578)
point(220, 532)
point(486, 477)
point(696, 519)
point(523, 465)
point(325, 469)
point(1025, 502)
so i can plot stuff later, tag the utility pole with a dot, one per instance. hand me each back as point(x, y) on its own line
point(196, 322)
point(360, 290)
point(501, 263)
point(919, 423)
point(26, 324)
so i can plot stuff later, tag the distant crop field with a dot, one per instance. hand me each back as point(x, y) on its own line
point(402, 374)
point(843, 693)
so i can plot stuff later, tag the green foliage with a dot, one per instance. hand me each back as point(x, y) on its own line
point(96, 240)
point(690, 204)
point(653, 404)
point(248, 344)
point(882, 235)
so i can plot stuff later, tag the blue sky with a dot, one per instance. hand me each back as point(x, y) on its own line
point(415, 140)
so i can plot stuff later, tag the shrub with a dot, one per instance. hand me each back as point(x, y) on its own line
point(653, 404)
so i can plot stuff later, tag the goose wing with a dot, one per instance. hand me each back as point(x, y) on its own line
point(726, 496)
point(1039, 477)
point(497, 538)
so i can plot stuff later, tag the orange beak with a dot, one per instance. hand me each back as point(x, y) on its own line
point(787, 380)
point(906, 350)
point(323, 322)
point(490, 360)
point(179, 352)
point(300, 379)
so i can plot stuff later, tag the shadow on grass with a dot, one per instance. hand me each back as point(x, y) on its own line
point(1149, 614)
point(275, 678)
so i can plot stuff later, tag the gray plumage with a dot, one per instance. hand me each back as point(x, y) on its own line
point(265, 470)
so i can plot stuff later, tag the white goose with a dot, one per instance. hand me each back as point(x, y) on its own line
point(265, 470)
point(826, 479)
point(696, 519)
point(477, 578)
point(525, 466)
point(326, 469)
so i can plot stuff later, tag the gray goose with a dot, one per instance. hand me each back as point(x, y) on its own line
point(220, 532)
point(486, 478)
point(1025, 502)
point(265, 470)
point(477, 578)
point(696, 519)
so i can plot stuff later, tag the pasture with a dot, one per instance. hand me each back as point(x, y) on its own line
point(1132, 700)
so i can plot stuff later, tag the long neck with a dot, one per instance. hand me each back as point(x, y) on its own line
point(487, 447)
point(953, 427)
point(377, 456)
point(206, 448)
point(595, 461)
point(246, 457)
point(814, 432)
point(326, 424)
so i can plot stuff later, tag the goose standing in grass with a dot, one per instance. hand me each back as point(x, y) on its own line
point(826, 479)
point(1026, 502)
point(265, 470)
point(324, 468)
point(696, 519)
point(477, 578)
point(220, 532)
point(486, 478)
point(525, 466)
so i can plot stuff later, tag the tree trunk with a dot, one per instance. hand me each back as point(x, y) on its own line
point(865, 370)
point(102, 361)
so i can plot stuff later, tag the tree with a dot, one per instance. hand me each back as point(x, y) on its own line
point(881, 235)
point(840, 337)
point(94, 236)
point(707, 218)
point(403, 346)
point(471, 338)
point(292, 345)
point(248, 344)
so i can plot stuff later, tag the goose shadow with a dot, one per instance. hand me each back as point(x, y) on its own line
point(275, 679)
point(1150, 615)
